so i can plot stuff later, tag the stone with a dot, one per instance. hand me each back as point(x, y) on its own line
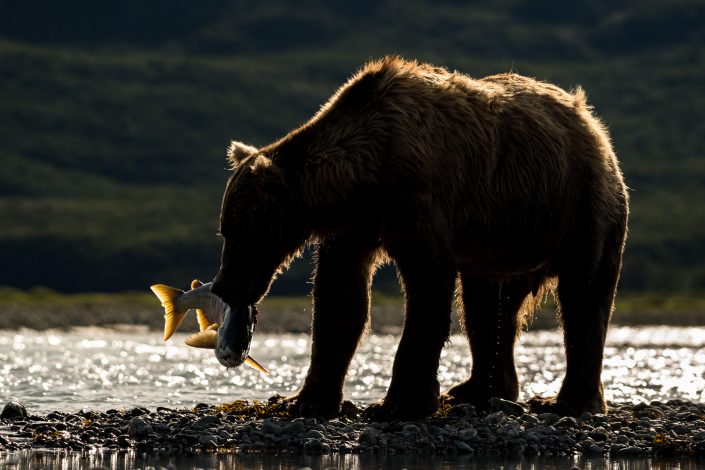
point(463, 410)
point(368, 437)
point(293, 428)
point(411, 429)
point(507, 407)
point(313, 446)
point(567, 422)
point(463, 448)
point(208, 440)
point(313, 434)
point(549, 418)
point(631, 451)
point(590, 448)
point(468, 434)
point(13, 411)
point(270, 427)
point(138, 429)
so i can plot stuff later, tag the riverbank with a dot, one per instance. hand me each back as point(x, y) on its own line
point(42, 309)
point(674, 428)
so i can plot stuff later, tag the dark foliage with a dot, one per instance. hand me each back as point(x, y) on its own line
point(115, 116)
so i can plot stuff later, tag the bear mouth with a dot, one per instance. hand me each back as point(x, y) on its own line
point(235, 335)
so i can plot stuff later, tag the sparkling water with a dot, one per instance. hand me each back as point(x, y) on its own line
point(100, 369)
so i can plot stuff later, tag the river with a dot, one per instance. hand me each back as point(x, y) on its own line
point(100, 369)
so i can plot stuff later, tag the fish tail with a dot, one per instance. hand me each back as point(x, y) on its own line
point(172, 318)
point(203, 322)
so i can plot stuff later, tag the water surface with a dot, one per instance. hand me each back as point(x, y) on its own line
point(101, 369)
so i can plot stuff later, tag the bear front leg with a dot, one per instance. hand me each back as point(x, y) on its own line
point(341, 305)
point(490, 321)
point(414, 389)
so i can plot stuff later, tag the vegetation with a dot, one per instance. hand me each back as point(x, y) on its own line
point(114, 117)
point(41, 309)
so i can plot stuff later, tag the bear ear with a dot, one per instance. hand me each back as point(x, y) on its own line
point(237, 152)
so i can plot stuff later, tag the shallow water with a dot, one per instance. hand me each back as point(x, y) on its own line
point(132, 460)
point(101, 369)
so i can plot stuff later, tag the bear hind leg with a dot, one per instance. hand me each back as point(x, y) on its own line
point(586, 291)
point(491, 316)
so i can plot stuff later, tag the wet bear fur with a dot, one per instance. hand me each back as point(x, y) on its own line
point(490, 191)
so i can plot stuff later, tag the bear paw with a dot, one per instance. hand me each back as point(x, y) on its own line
point(391, 409)
point(564, 407)
point(478, 394)
point(306, 406)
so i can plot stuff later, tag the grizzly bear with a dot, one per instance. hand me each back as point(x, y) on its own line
point(503, 186)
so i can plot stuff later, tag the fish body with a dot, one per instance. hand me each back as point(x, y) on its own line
point(177, 303)
point(231, 342)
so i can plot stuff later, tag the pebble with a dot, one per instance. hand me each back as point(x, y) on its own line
point(673, 428)
point(13, 411)
point(138, 429)
point(507, 407)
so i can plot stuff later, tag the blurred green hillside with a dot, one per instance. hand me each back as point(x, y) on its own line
point(115, 116)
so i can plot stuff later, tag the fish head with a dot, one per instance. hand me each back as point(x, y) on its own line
point(235, 335)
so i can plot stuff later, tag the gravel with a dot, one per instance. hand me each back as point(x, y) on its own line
point(674, 428)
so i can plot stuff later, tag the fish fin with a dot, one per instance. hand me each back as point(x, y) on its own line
point(205, 339)
point(256, 365)
point(172, 319)
point(203, 322)
point(196, 283)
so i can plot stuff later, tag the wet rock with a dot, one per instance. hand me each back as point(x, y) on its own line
point(368, 437)
point(495, 418)
point(411, 429)
point(13, 411)
point(631, 451)
point(208, 440)
point(161, 427)
point(297, 426)
point(348, 410)
point(313, 446)
point(567, 422)
point(600, 436)
point(549, 418)
point(468, 434)
point(463, 411)
point(507, 407)
point(138, 428)
point(137, 411)
point(463, 448)
point(206, 422)
point(498, 433)
point(530, 419)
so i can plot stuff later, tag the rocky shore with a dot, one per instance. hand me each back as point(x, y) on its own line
point(665, 429)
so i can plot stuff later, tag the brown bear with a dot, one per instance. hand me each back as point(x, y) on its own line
point(503, 186)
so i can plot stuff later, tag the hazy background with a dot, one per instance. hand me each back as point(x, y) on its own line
point(115, 116)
